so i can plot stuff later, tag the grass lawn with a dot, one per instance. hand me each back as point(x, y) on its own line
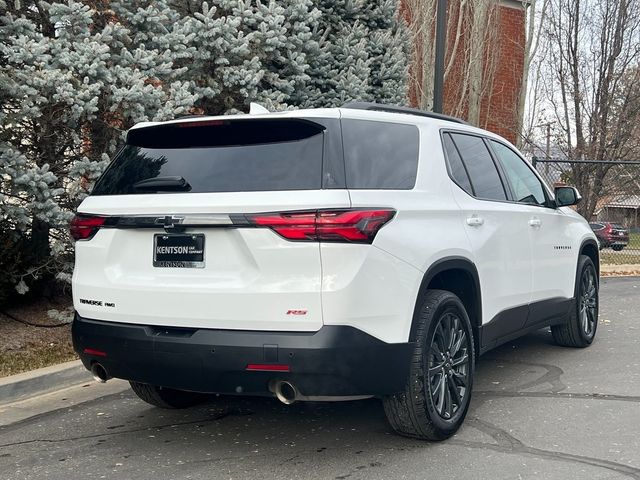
point(35, 357)
point(608, 257)
point(26, 347)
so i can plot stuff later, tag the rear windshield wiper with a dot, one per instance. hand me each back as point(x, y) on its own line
point(163, 183)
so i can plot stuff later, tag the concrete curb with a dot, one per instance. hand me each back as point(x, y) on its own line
point(43, 380)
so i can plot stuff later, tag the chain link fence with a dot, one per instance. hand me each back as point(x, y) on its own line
point(610, 202)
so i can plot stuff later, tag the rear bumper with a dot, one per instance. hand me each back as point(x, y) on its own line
point(614, 240)
point(334, 361)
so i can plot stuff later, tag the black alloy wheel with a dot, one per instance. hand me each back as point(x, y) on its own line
point(588, 308)
point(449, 366)
point(437, 395)
point(579, 328)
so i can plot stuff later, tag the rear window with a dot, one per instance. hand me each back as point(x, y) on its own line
point(380, 155)
point(220, 156)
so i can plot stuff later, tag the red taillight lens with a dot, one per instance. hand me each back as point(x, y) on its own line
point(292, 226)
point(83, 227)
point(358, 226)
point(352, 225)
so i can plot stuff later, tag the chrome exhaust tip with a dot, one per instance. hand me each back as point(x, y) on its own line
point(99, 373)
point(286, 392)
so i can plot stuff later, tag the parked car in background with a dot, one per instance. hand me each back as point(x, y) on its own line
point(610, 235)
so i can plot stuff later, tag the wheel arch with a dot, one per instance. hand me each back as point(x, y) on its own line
point(458, 275)
point(589, 247)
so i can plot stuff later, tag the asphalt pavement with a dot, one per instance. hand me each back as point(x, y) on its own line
point(538, 411)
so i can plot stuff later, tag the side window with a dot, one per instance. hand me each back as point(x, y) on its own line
point(458, 172)
point(526, 187)
point(483, 173)
point(379, 154)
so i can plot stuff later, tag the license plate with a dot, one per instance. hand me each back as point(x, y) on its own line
point(178, 250)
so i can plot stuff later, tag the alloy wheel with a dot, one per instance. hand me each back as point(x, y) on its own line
point(588, 302)
point(448, 366)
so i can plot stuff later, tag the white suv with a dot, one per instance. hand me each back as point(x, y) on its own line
point(324, 254)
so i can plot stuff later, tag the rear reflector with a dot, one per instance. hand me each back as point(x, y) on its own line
point(265, 367)
point(97, 353)
point(354, 225)
point(83, 227)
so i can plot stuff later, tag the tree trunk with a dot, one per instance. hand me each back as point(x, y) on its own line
point(476, 59)
point(39, 243)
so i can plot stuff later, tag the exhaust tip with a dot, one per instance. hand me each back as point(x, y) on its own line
point(99, 373)
point(285, 392)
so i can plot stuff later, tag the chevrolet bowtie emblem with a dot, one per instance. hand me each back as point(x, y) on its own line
point(170, 221)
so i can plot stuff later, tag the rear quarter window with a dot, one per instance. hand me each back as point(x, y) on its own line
point(380, 155)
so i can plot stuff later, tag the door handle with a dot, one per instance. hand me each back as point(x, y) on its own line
point(475, 221)
point(535, 222)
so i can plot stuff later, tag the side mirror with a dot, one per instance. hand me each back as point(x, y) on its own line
point(566, 196)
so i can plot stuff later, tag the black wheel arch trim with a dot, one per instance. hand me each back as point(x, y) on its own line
point(592, 242)
point(442, 265)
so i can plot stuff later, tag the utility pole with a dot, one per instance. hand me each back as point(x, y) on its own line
point(441, 39)
point(548, 150)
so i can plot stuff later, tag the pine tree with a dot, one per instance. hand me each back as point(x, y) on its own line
point(363, 54)
point(70, 83)
point(74, 76)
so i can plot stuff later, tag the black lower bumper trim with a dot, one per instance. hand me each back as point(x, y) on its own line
point(334, 361)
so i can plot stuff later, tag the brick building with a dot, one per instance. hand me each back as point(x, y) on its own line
point(503, 62)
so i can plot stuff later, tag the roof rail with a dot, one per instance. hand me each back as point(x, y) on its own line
point(378, 107)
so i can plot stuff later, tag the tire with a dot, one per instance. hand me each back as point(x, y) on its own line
point(579, 331)
point(617, 248)
point(420, 410)
point(166, 397)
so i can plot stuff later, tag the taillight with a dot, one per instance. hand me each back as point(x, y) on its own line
point(359, 226)
point(292, 226)
point(83, 227)
point(352, 225)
